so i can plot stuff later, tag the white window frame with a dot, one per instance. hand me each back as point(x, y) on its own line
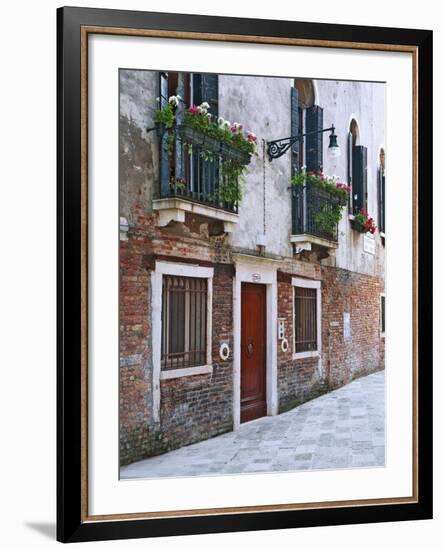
point(180, 270)
point(308, 283)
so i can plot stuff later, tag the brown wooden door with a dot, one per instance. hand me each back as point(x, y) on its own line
point(253, 346)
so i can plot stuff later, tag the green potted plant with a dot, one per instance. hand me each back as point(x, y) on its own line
point(363, 223)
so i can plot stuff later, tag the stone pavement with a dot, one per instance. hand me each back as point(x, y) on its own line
point(341, 429)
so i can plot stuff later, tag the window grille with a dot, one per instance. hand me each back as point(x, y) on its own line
point(305, 319)
point(184, 322)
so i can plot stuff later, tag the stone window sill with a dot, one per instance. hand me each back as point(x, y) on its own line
point(190, 371)
point(306, 354)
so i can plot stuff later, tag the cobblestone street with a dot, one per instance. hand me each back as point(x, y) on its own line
point(342, 429)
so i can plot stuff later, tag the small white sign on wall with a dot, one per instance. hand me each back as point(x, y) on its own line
point(255, 277)
point(347, 333)
point(369, 244)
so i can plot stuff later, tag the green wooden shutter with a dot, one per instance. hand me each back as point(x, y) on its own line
point(295, 160)
point(359, 177)
point(381, 201)
point(179, 164)
point(163, 149)
point(205, 174)
point(314, 122)
point(349, 169)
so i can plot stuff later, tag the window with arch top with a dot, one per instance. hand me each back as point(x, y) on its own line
point(357, 169)
point(381, 191)
point(305, 117)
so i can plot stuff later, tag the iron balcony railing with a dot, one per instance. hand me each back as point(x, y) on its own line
point(195, 168)
point(311, 207)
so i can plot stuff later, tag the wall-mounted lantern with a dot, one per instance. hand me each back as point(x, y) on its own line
point(279, 147)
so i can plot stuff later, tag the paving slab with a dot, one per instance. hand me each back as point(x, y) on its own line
point(341, 429)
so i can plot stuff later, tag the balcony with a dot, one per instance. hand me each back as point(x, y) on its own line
point(195, 178)
point(312, 211)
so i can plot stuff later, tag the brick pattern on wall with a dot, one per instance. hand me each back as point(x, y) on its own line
point(343, 358)
point(199, 407)
point(298, 380)
point(363, 352)
point(194, 407)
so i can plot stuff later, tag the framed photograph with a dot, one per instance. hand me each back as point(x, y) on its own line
point(245, 274)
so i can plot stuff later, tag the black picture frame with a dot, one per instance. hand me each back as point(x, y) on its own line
point(72, 524)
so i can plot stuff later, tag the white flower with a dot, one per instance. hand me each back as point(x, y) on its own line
point(227, 124)
point(174, 100)
point(220, 121)
point(205, 105)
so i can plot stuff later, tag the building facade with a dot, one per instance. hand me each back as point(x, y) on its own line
point(232, 310)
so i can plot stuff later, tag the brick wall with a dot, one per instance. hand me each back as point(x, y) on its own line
point(298, 380)
point(343, 358)
point(135, 354)
point(194, 407)
point(199, 407)
point(363, 352)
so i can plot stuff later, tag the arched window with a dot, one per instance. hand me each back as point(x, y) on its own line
point(305, 117)
point(381, 191)
point(352, 139)
point(357, 169)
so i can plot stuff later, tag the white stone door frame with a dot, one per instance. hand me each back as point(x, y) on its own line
point(253, 269)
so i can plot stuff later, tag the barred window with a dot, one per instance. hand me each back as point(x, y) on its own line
point(305, 319)
point(184, 322)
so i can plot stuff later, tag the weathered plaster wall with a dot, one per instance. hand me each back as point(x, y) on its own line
point(138, 149)
point(365, 102)
point(263, 106)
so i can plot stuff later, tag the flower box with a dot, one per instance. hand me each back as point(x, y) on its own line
point(232, 153)
point(191, 135)
point(194, 136)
